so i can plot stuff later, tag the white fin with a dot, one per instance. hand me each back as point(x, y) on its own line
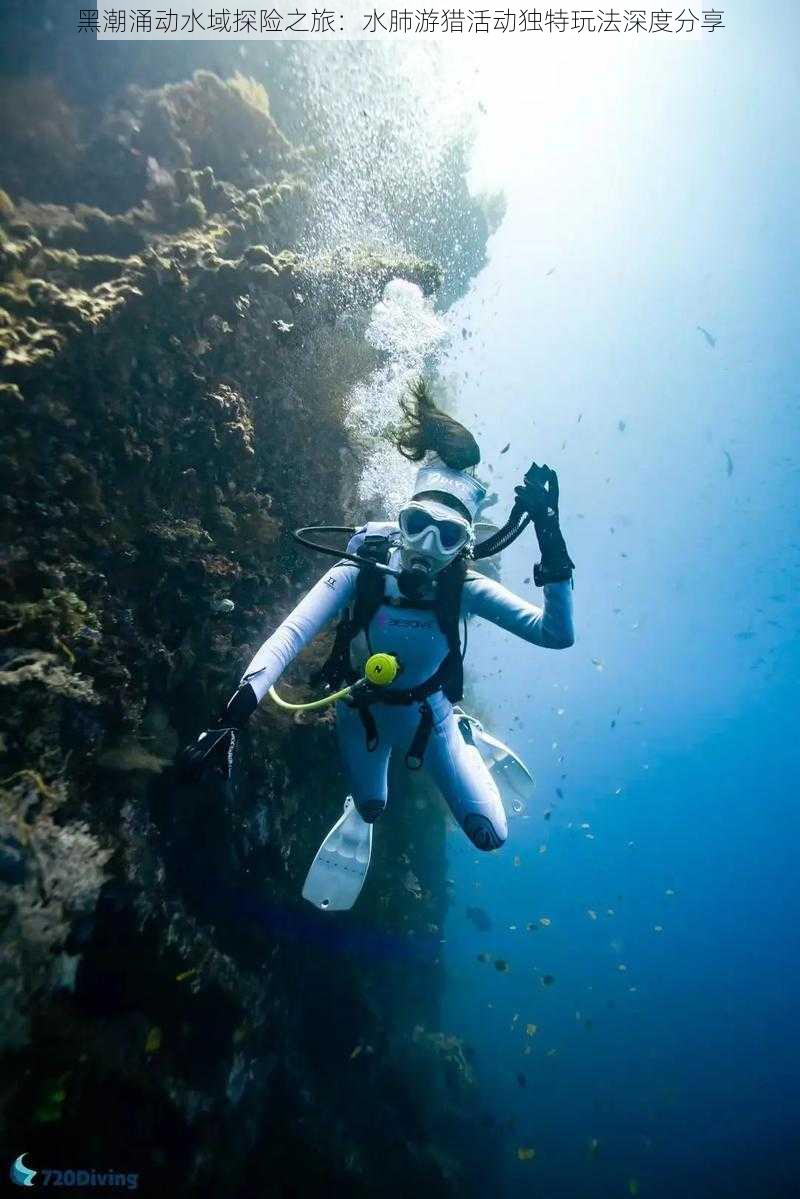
point(509, 771)
point(338, 871)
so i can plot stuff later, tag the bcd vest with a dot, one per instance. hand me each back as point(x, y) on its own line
point(370, 596)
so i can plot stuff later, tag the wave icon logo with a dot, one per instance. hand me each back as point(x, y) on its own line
point(20, 1174)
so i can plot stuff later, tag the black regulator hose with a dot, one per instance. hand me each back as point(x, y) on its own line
point(517, 522)
point(301, 536)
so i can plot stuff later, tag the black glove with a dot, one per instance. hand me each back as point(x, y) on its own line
point(212, 752)
point(538, 497)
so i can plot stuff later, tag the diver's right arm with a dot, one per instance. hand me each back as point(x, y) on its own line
point(326, 599)
point(214, 748)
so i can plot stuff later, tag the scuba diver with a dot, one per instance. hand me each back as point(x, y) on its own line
point(402, 589)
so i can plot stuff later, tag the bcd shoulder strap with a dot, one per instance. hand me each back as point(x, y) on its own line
point(369, 594)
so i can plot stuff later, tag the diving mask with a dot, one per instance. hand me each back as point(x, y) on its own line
point(433, 534)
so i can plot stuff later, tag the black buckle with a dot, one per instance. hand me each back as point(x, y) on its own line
point(374, 548)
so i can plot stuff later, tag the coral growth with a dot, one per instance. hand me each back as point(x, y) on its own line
point(174, 373)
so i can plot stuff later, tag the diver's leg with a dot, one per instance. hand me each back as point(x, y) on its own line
point(462, 776)
point(367, 771)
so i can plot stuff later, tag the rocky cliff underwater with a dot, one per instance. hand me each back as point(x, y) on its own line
point(175, 364)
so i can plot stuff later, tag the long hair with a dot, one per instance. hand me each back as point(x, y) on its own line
point(427, 429)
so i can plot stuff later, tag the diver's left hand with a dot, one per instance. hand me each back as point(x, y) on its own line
point(538, 495)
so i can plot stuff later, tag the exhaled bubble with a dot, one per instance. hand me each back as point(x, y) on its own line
point(404, 326)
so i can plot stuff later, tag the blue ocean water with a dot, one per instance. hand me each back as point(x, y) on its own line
point(635, 329)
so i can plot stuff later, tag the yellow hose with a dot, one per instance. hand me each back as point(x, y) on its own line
point(316, 703)
point(380, 671)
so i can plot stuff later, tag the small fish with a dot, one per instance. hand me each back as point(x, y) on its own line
point(153, 1042)
point(506, 447)
point(548, 980)
point(180, 978)
point(530, 1030)
point(621, 425)
point(710, 338)
point(552, 271)
point(356, 1052)
point(480, 919)
point(484, 957)
point(728, 463)
point(545, 921)
point(525, 1154)
point(502, 965)
point(521, 1079)
point(222, 607)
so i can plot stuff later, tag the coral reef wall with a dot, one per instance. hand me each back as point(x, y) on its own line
point(171, 407)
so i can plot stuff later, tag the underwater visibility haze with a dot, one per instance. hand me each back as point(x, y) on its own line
point(254, 287)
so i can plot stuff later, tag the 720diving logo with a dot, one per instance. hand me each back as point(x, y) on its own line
point(20, 1174)
point(23, 1176)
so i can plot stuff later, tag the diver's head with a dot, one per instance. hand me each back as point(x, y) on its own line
point(436, 524)
point(432, 535)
